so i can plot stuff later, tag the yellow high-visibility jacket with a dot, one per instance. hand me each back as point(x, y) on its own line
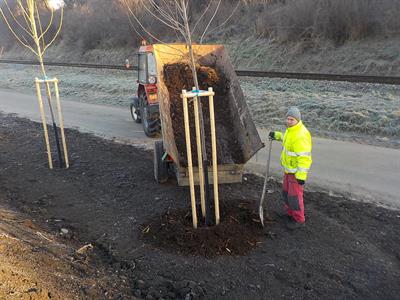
point(296, 151)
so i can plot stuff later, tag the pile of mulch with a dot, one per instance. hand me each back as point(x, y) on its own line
point(239, 232)
point(179, 77)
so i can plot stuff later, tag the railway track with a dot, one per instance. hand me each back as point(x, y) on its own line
point(249, 73)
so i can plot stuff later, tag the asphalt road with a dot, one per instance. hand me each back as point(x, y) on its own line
point(363, 172)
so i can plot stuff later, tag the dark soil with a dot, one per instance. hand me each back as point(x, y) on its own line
point(348, 250)
point(237, 234)
point(179, 77)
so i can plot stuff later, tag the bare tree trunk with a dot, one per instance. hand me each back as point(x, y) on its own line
point(48, 91)
point(202, 131)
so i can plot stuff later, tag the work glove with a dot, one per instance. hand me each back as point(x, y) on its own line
point(301, 182)
point(272, 135)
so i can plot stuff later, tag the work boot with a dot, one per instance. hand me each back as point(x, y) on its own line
point(293, 225)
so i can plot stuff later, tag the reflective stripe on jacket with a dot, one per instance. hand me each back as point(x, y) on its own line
point(296, 152)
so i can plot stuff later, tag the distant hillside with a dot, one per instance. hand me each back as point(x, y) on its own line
point(334, 36)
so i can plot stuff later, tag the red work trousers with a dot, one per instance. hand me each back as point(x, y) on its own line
point(292, 193)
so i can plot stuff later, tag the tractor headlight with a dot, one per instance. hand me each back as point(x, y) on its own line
point(152, 79)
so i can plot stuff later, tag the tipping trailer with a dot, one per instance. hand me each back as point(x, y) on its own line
point(239, 132)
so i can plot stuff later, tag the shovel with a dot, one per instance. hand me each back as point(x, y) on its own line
point(260, 209)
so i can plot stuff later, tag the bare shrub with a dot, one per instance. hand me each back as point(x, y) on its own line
point(344, 20)
point(6, 40)
point(336, 20)
point(12, 12)
point(96, 23)
point(390, 12)
point(92, 23)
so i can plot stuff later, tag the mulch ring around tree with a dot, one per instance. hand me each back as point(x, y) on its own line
point(239, 232)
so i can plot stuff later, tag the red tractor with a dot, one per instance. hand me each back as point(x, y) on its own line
point(145, 106)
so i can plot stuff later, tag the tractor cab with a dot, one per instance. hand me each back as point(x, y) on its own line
point(145, 105)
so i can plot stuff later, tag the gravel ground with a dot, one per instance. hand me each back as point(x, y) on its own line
point(366, 113)
point(348, 250)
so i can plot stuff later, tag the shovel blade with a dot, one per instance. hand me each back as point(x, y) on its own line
point(261, 213)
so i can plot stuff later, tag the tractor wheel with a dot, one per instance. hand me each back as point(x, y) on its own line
point(151, 124)
point(160, 166)
point(135, 114)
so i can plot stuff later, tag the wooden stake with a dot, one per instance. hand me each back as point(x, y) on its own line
point(60, 119)
point(189, 158)
point(199, 155)
point(42, 114)
point(214, 156)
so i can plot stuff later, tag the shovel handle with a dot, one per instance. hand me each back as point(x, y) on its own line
point(266, 175)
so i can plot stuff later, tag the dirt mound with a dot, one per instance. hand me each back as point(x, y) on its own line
point(179, 77)
point(239, 232)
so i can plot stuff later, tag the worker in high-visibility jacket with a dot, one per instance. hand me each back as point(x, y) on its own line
point(296, 162)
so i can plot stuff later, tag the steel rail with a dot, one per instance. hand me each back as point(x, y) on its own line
point(70, 65)
point(243, 73)
point(323, 77)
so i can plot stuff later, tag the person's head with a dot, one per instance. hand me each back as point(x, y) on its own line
point(293, 116)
